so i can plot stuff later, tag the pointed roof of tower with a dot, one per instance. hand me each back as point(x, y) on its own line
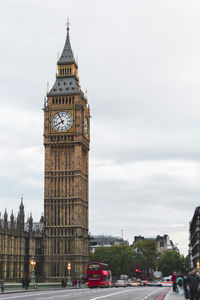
point(67, 84)
point(67, 55)
point(5, 214)
point(21, 207)
point(12, 219)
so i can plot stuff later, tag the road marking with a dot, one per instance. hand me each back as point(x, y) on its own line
point(151, 294)
point(59, 296)
point(34, 294)
point(110, 295)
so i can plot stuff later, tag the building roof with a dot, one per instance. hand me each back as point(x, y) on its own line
point(65, 86)
point(68, 84)
point(67, 55)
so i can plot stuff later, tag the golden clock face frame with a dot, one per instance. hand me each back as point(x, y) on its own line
point(62, 121)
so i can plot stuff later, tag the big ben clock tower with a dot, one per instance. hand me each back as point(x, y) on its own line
point(66, 141)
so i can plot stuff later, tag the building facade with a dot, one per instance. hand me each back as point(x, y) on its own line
point(194, 240)
point(20, 241)
point(66, 142)
point(163, 243)
point(97, 241)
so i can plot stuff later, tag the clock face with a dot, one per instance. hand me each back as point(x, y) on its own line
point(86, 125)
point(62, 121)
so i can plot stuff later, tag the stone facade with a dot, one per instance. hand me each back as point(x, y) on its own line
point(19, 243)
point(66, 141)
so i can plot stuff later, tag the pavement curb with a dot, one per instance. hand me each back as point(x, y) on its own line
point(164, 293)
point(168, 294)
point(173, 296)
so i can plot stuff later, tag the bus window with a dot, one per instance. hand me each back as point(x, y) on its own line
point(94, 276)
point(93, 267)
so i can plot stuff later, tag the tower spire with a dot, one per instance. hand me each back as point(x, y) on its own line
point(68, 26)
point(67, 55)
point(67, 80)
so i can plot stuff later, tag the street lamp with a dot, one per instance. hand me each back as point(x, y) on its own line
point(198, 266)
point(33, 263)
point(69, 281)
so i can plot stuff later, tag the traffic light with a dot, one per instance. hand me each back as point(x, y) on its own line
point(137, 270)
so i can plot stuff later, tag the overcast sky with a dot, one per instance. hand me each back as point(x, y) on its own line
point(140, 62)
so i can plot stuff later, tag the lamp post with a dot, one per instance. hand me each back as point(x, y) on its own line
point(33, 263)
point(69, 281)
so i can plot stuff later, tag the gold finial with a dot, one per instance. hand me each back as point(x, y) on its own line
point(57, 56)
point(68, 24)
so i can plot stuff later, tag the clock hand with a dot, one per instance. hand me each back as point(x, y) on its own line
point(60, 117)
point(60, 122)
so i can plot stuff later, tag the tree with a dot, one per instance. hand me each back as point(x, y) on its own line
point(186, 263)
point(171, 261)
point(145, 255)
point(119, 258)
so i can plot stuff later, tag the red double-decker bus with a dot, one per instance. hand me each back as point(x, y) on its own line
point(98, 275)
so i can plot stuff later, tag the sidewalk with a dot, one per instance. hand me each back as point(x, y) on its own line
point(174, 296)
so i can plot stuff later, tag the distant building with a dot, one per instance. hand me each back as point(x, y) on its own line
point(97, 241)
point(194, 246)
point(163, 243)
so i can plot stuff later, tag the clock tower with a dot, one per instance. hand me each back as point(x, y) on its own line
point(66, 142)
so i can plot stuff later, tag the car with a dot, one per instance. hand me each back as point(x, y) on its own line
point(154, 283)
point(121, 283)
point(167, 281)
point(131, 283)
point(140, 282)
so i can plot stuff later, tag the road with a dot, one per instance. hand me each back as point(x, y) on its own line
point(128, 293)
